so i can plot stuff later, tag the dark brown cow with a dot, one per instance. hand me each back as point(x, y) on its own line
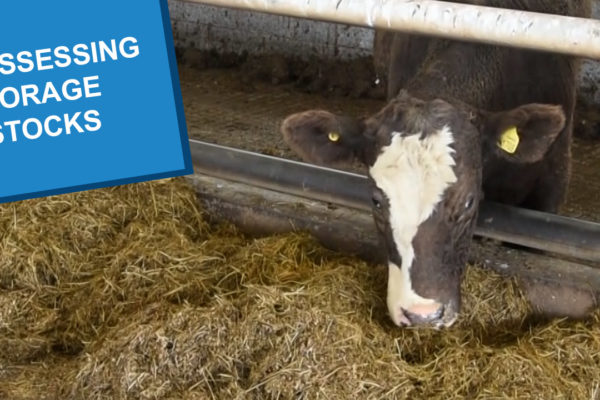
point(463, 119)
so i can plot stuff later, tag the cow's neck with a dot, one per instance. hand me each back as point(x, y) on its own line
point(459, 73)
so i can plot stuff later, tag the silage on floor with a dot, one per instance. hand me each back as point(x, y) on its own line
point(128, 293)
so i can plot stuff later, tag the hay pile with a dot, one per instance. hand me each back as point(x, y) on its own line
point(128, 293)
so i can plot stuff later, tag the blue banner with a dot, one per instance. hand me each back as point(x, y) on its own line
point(89, 96)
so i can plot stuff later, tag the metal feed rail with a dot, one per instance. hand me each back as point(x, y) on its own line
point(525, 29)
point(534, 229)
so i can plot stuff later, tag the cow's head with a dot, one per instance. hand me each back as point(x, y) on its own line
point(425, 167)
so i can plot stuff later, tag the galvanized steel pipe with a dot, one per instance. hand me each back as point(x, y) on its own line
point(530, 30)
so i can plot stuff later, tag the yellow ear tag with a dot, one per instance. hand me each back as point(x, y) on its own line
point(509, 141)
point(334, 136)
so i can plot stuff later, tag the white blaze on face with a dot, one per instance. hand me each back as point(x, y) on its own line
point(413, 173)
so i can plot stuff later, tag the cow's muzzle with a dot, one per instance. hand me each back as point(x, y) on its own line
point(434, 315)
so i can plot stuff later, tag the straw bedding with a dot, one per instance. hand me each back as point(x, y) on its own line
point(128, 293)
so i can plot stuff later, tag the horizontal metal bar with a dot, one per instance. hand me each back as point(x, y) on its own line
point(543, 231)
point(531, 30)
point(534, 229)
point(285, 176)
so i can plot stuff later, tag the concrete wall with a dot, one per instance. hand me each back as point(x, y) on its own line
point(590, 74)
point(234, 31)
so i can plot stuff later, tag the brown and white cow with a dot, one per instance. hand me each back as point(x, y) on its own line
point(463, 120)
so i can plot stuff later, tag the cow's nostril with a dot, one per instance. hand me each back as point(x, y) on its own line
point(424, 314)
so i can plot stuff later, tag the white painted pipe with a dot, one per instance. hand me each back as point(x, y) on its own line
point(546, 32)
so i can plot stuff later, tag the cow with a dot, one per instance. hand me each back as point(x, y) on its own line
point(462, 121)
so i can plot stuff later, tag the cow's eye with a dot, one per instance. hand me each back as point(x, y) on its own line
point(469, 202)
point(377, 200)
point(376, 203)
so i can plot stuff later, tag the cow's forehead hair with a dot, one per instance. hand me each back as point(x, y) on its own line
point(414, 171)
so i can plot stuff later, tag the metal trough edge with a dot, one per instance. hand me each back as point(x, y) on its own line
point(542, 231)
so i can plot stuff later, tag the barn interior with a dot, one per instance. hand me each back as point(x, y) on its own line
point(141, 292)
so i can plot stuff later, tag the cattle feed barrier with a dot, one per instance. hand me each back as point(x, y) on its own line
point(530, 30)
point(548, 232)
point(524, 29)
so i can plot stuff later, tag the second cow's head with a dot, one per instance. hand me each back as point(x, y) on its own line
point(425, 162)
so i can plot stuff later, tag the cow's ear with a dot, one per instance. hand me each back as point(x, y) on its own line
point(323, 138)
point(523, 134)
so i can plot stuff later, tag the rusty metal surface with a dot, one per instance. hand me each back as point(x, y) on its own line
point(221, 109)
